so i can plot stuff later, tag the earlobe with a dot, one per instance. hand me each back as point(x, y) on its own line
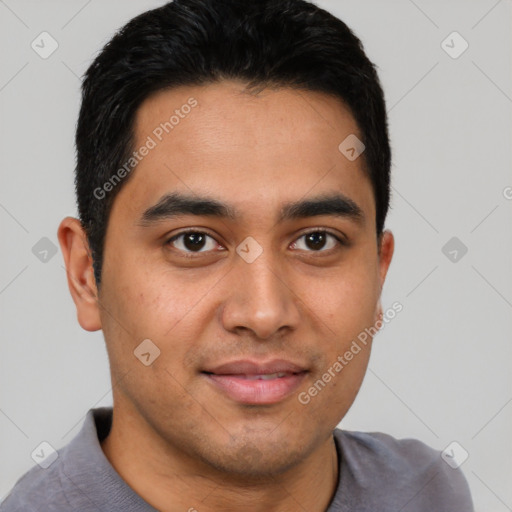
point(80, 274)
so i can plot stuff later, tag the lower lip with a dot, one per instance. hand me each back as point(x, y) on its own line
point(259, 391)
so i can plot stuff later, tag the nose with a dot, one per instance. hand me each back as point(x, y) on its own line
point(260, 300)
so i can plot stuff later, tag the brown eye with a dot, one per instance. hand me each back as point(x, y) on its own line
point(193, 241)
point(317, 241)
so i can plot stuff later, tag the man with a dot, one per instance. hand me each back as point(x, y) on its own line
point(233, 182)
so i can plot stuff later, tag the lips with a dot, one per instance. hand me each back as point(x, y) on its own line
point(265, 376)
point(248, 367)
point(252, 382)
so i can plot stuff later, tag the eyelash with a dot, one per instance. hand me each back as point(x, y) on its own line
point(191, 254)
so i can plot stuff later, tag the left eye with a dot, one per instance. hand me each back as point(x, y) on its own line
point(198, 241)
point(316, 241)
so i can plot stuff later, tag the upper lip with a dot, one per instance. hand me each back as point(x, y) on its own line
point(251, 367)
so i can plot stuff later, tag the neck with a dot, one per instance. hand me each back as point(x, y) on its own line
point(171, 481)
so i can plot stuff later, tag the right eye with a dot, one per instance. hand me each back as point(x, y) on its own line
point(192, 241)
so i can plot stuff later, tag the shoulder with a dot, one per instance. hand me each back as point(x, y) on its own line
point(62, 484)
point(36, 487)
point(402, 471)
point(388, 451)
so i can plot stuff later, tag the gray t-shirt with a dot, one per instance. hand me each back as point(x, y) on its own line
point(377, 473)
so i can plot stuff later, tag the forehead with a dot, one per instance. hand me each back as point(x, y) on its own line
point(245, 149)
point(227, 118)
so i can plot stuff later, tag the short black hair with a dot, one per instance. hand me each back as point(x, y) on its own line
point(264, 43)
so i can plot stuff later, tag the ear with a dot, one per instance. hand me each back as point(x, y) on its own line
point(82, 285)
point(386, 247)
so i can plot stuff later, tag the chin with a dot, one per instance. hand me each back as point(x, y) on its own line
point(253, 460)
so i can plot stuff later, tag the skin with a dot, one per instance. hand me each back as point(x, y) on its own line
point(176, 439)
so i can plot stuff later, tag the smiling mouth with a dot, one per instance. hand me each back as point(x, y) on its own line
point(256, 389)
point(263, 376)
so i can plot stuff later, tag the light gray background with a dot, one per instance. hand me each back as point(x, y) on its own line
point(440, 370)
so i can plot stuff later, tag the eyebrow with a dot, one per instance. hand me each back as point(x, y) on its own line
point(178, 204)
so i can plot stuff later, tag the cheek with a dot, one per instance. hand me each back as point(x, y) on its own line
point(154, 300)
point(346, 301)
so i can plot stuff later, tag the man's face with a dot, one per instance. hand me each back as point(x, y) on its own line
point(221, 318)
